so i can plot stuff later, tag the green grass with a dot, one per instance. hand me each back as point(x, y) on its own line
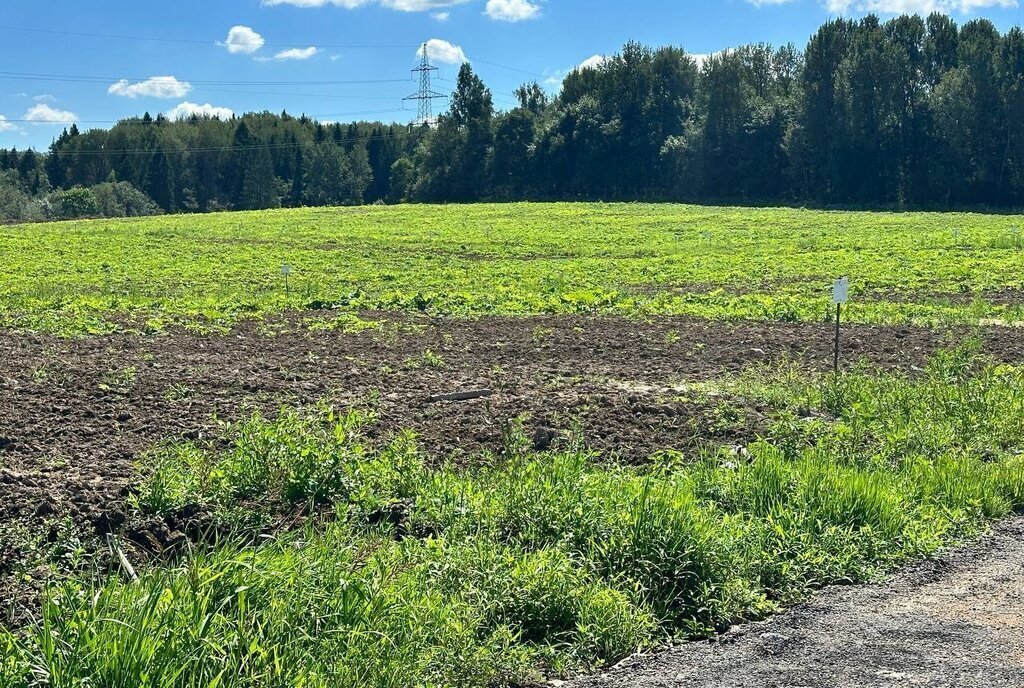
point(533, 564)
point(771, 264)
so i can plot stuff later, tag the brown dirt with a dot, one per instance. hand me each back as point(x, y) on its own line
point(76, 416)
point(1007, 296)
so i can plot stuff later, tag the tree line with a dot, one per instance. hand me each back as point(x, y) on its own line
point(911, 112)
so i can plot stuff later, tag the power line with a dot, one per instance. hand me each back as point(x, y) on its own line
point(30, 76)
point(135, 118)
point(496, 97)
point(220, 149)
point(501, 66)
point(295, 95)
point(195, 41)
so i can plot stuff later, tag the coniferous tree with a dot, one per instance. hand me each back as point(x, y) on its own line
point(160, 186)
point(298, 190)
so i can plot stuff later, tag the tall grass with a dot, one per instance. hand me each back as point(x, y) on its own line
point(540, 564)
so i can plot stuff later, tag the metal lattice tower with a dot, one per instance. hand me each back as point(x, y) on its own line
point(426, 95)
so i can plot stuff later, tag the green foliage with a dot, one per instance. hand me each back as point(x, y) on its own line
point(955, 404)
point(513, 259)
point(16, 204)
point(121, 199)
point(299, 458)
point(541, 563)
point(72, 203)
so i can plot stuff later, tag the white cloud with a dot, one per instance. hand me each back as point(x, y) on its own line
point(593, 62)
point(555, 80)
point(441, 16)
point(43, 113)
point(347, 4)
point(5, 125)
point(243, 40)
point(444, 52)
point(153, 87)
point(400, 5)
point(44, 98)
point(187, 109)
point(701, 58)
point(418, 5)
point(512, 10)
point(297, 53)
point(901, 6)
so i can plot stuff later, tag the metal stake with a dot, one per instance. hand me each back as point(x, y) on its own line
point(839, 314)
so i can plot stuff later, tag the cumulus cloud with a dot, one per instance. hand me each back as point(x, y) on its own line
point(5, 125)
point(512, 10)
point(701, 58)
point(153, 87)
point(243, 40)
point(441, 16)
point(594, 61)
point(187, 109)
point(297, 53)
point(291, 54)
point(444, 52)
point(43, 113)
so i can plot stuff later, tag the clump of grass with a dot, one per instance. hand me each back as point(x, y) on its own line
point(959, 401)
point(332, 608)
point(428, 359)
point(539, 563)
point(178, 392)
point(118, 381)
point(300, 457)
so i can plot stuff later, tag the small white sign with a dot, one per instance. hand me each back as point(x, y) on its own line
point(841, 290)
point(286, 269)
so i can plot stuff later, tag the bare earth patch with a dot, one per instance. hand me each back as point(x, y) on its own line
point(77, 416)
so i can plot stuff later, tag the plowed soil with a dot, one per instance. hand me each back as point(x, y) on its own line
point(77, 416)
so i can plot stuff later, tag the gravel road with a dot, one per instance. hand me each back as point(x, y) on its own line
point(957, 621)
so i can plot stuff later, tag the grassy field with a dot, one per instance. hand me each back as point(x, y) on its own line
point(321, 553)
point(734, 263)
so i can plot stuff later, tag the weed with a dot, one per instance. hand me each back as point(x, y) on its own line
point(428, 359)
point(178, 392)
point(532, 563)
point(119, 381)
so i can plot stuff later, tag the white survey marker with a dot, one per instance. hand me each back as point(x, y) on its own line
point(286, 269)
point(841, 290)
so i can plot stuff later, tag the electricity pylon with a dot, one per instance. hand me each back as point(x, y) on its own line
point(426, 95)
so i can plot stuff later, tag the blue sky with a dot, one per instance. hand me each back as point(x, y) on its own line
point(242, 55)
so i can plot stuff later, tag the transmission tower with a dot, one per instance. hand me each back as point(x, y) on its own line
point(426, 95)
